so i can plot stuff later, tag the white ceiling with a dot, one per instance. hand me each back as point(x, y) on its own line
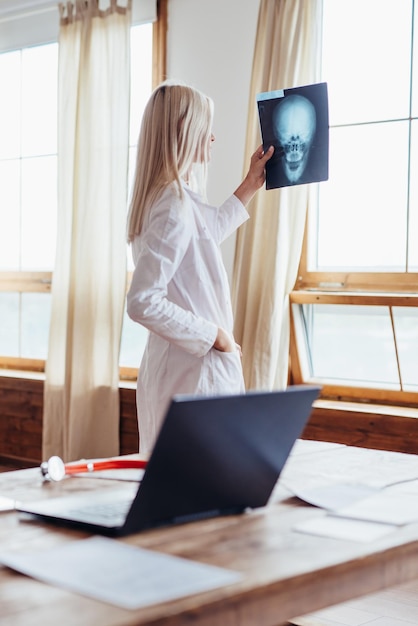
point(14, 7)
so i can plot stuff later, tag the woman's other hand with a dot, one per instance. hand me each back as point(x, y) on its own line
point(224, 342)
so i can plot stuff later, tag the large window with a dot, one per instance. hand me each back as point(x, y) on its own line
point(355, 302)
point(28, 196)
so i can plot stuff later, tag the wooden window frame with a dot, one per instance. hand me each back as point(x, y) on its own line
point(346, 392)
point(348, 288)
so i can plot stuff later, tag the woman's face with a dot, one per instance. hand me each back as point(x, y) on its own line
point(211, 140)
point(205, 150)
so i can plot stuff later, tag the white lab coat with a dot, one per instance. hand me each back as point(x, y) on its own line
point(180, 293)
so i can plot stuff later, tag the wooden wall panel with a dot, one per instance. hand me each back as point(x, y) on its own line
point(21, 419)
point(21, 402)
point(129, 441)
point(381, 428)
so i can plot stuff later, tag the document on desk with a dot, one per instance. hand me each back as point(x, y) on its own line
point(376, 468)
point(386, 507)
point(333, 496)
point(308, 446)
point(342, 528)
point(365, 519)
point(7, 504)
point(118, 573)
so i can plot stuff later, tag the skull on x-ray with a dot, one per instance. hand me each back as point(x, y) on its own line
point(294, 123)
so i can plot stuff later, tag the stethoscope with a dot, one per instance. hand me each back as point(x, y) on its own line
point(55, 469)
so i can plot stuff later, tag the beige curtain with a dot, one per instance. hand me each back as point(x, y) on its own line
point(269, 245)
point(81, 402)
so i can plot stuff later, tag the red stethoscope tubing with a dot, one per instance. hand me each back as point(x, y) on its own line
point(55, 469)
point(79, 468)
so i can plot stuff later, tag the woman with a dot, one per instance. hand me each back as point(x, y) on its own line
point(179, 289)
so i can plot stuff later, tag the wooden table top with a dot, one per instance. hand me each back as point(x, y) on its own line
point(285, 573)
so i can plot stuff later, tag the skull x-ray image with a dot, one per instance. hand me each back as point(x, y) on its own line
point(295, 122)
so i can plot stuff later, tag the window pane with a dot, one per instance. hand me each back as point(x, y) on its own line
point(366, 59)
point(415, 66)
point(36, 313)
point(363, 207)
point(39, 100)
point(28, 202)
point(9, 215)
point(413, 202)
point(39, 213)
point(141, 75)
point(10, 323)
point(24, 324)
point(134, 338)
point(406, 327)
point(10, 103)
point(141, 87)
point(351, 344)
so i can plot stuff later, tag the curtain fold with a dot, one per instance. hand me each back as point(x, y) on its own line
point(268, 246)
point(81, 398)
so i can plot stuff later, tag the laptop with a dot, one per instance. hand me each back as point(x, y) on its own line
point(214, 456)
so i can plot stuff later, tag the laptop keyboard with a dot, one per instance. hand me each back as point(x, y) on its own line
point(106, 512)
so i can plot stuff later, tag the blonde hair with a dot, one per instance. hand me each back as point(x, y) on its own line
point(174, 138)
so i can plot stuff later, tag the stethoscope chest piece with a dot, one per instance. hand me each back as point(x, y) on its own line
point(53, 469)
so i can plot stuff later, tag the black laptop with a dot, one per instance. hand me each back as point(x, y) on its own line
point(214, 456)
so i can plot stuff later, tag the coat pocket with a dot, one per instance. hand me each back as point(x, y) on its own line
point(223, 373)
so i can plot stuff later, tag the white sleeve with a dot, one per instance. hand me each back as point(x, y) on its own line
point(224, 220)
point(163, 244)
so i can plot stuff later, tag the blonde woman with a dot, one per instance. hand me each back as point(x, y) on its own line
point(179, 289)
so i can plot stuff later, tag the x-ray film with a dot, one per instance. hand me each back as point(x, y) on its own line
point(295, 121)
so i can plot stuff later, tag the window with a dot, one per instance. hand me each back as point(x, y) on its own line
point(28, 191)
point(355, 302)
point(28, 172)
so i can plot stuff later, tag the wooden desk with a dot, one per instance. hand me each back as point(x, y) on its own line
point(285, 573)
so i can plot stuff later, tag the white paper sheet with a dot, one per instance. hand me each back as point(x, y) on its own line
point(407, 486)
point(376, 468)
point(334, 496)
point(341, 528)
point(7, 504)
point(309, 446)
point(386, 507)
point(118, 573)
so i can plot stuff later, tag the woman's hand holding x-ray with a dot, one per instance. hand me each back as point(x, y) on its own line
point(256, 175)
